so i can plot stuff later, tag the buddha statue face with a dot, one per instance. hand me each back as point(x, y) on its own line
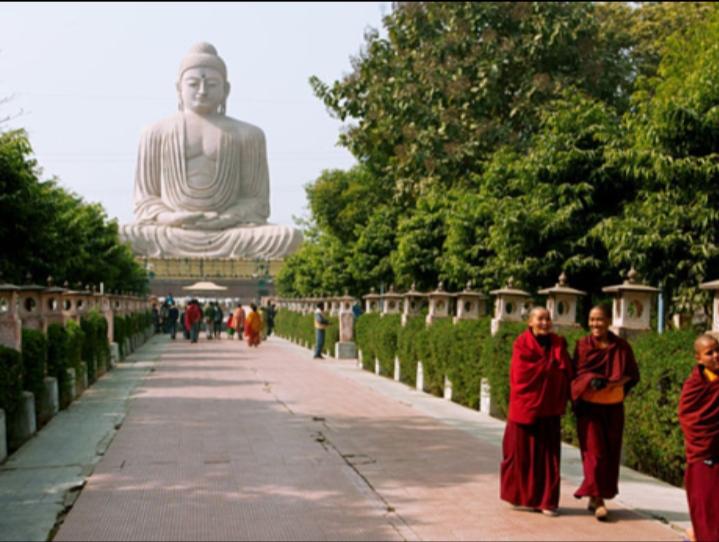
point(203, 90)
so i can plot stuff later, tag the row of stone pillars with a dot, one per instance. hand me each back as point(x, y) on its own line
point(631, 311)
point(33, 306)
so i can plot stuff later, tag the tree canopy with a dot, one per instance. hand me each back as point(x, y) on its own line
point(48, 231)
point(498, 140)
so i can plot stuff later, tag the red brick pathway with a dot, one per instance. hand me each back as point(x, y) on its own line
point(226, 443)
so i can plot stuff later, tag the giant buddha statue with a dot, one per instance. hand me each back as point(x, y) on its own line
point(202, 183)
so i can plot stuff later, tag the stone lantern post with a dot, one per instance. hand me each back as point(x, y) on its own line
point(125, 304)
point(104, 305)
point(10, 323)
point(471, 305)
point(30, 307)
point(439, 301)
point(510, 305)
point(371, 301)
point(346, 348)
point(391, 302)
point(562, 303)
point(631, 306)
point(51, 304)
point(75, 304)
point(115, 304)
point(413, 302)
point(334, 305)
point(713, 286)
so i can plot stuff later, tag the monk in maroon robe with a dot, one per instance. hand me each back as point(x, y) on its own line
point(539, 376)
point(605, 371)
point(699, 419)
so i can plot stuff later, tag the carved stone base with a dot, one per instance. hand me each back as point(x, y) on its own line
point(22, 425)
point(420, 376)
point(345, 350)
point(485, 399)
point(114, 354)
point(447, 389)
point(49, 401)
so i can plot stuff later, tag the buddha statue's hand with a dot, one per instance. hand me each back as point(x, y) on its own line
point(214, 221)
point(179, 218)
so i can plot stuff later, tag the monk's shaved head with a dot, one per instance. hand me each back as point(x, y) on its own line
point(536, 311)
point(604, 310)
point(704, 341)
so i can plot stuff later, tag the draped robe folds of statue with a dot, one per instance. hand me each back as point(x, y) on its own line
point(531, 448)
point(699, 420)
point(239, 187)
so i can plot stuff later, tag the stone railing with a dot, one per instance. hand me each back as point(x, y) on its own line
point(631, 311)
point(33, 306)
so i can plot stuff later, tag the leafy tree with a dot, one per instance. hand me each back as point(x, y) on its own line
point(454, 81)
point(420, 237)
point(524, 139)
point(670, 230)
point(340, 201)
point(532, 212)
point(59, 234)
point(650, 25)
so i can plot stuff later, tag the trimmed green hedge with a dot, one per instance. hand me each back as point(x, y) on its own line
point(653, 441)
point(411, 344)
point(301, 327)
point(365, 333)
point(75, 341)
point(10, 379)
point(444, 349)
point(58, 361)
point(125, 327)
point(119, 333)
point(95, 347)
point(34, 363)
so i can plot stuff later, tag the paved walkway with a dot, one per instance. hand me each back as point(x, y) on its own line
point(225, 443)
point(42, 479)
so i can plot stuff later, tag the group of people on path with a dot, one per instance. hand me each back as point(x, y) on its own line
point(597, 379)
point(245, 324)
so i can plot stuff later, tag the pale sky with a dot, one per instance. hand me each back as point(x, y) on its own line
point(89, 76)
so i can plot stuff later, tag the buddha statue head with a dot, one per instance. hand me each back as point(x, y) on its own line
point(202, 85)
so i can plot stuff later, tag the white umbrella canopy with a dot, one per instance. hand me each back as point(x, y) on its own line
point(205, 287)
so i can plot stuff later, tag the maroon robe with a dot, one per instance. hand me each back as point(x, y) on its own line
point(539, 390)
point(699, 420)
point(600, 427)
